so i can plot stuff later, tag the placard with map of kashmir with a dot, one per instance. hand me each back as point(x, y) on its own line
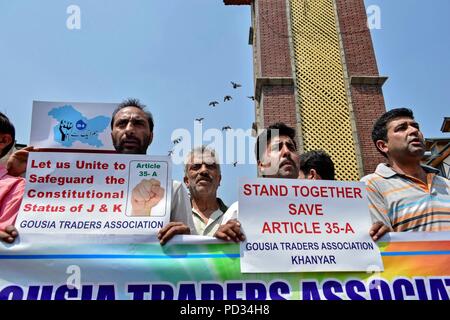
point(71, 125)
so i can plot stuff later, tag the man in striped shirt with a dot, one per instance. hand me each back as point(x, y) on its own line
point(403, 194)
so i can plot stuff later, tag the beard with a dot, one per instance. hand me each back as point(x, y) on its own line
point(140, 148)
point(124, 150)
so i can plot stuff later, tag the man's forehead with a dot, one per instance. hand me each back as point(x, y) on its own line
point(400, 120)
point(130, 113)
point(206, 157)
point(279, 139)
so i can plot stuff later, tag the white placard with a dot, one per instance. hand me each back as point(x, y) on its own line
point(304, 225)
point(94, 193)
point(72, 125)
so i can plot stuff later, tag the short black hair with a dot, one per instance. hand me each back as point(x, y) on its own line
point(6, 127)
point(137, 104)
point(272, 131)
point(318, 160)
point(379, 131)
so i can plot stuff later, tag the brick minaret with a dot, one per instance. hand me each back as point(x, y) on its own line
point(365, 81)
point(315, 69)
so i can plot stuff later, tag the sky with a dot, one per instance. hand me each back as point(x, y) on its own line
point(412, 48)
point(176, 56)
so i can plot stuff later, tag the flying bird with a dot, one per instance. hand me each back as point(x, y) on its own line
point(213, 103)
point(235, 85)
point(251, 97)
point(234, 164)
point(170, 153)
point(226, 128)
point(227, 98)
point(199, 119)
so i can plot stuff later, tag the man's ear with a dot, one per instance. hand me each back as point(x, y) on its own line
point(220, 178)
point(260, 168)
point(314, 175)
point(5, 140)
point(150, 138)
point(382, 146)
point(186, 181)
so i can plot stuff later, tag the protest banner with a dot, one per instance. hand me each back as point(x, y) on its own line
point(71, 125)
point(51, 267)
point(304, 225)
point(85, 193)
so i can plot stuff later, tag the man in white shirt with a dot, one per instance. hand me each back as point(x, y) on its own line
point(202, 178)
point(277, 157)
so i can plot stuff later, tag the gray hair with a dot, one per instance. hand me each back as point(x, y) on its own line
point(201, 151)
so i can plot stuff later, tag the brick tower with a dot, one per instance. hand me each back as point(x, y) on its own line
point(315, 70)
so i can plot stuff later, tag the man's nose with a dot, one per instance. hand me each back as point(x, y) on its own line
point(414, 130)
point(285, 151)
point(129, 127)
point(204, 169)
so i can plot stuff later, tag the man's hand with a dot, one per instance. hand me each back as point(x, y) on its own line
point(9, 235)
point(145, 195)
point(378, 230)
point(230, 231)
point(173, 228)
point(17, 162)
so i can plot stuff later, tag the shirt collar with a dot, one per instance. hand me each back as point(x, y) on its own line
point(214, 216)
point(222, 206)
point(386, 171)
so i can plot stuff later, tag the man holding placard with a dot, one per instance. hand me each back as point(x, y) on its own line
point(405, 195)
point(277, 157)
point(132, 133)
point(294, 225)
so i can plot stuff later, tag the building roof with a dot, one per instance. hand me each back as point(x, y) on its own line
point(446, 125)
point(430, 142)
point(436, 159)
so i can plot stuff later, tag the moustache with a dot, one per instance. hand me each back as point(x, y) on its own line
point(204, 178)
point(125, 140)
point(288, 161)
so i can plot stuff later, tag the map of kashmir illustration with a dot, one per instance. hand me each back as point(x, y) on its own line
point(74, 126)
